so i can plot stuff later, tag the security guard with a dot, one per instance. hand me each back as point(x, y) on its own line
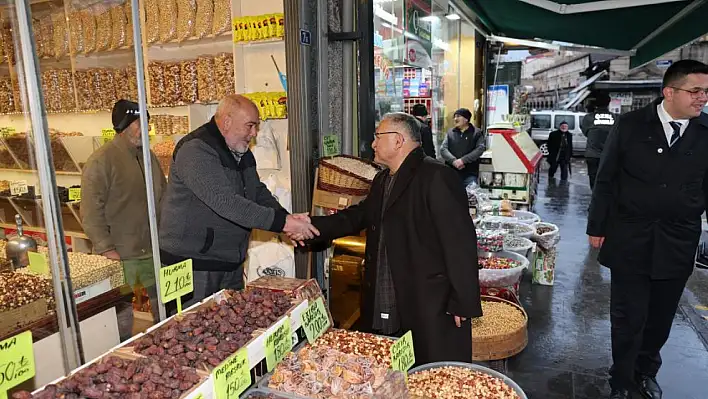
point(596, 127)
point(645, 213)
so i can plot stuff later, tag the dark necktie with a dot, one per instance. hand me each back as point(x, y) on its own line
point(677, 132)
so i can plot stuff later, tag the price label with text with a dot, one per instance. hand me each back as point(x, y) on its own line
point(74, 194)
point(16, 360)
point(38, 263)
point(402, 353)
point(18, 187)
point(278, 344)
point(176, 280)
point(108, 134)
point(315, 320)
point(233, 376)
point(7, 131)
point(330, 145)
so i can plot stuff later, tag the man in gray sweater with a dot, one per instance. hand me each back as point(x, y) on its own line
point(215, 198)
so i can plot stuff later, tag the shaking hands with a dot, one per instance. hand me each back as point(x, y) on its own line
point(299, 228)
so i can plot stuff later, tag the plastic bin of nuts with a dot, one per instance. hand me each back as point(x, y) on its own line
point(500, 269)
point(457, 380)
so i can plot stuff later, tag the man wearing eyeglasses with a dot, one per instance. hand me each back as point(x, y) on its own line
point(645, 214)
point(421, 272)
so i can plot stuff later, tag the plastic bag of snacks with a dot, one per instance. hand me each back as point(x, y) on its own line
point(61, 39)
point(222, 17)
point(157, 83)
point(544, 267)
point(186, 15)
point(152, 21)
point(224, 72)
point(478, 199)
point(188, 75)
point(128, 11)
point(203, 18)
point(88, 24)
point(118, 30)
point(104, 29)
point(168, 20)
point(490, 240)
point(206, 91)
point(47, 29)
point(547, 235)
point(76, 32)
point(173, 83)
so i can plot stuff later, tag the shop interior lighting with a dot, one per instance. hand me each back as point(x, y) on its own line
point(385, 15)
point(453, 16)
point(430, 18)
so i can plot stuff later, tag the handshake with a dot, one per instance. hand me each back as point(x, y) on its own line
point(299, 228)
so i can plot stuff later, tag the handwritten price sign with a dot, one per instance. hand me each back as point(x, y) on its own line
point(233, 376)
point(315, 320)
point(108, 134)
point(74, 194)
point(18, 187)
point(402, 353)
point(176, 281)
point(278, 344)
point(16, 360)
point(7, 131)
point(38, 263)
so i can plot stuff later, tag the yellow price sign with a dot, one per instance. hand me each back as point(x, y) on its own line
point(232, 376)
point(75, 194)
point(315, 320)
point(402, 353)
point(16, 360)
point(278, 344)
point(176, 281)
point(108, 134)
point(7, 131)
point(38, 263)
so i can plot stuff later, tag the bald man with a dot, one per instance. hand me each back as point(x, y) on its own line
point(214, 198)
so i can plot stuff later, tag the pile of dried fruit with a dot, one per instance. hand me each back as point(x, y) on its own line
point(321, 372)
point(497, 318)
point(214, 332)
point(358, 343)
point(121, 378)
point(458, 383)
point(498, 263)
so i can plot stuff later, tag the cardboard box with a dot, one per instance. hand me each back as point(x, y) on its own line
point(14, 319)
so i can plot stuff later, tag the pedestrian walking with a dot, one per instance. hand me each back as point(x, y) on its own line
point(596, 127)
point(560, 151)
point(645, 214)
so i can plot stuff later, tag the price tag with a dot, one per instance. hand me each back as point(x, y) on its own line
point(233, 376)
point(108, 134)
point(18, 187)
point(7, 131)
point(75, 194)
point(278, 344)
point(176, 281)
point(151, 129)
point(315, 320)
point(402, 353)
point(16, 360)
point(330, 145)
point(38, 263)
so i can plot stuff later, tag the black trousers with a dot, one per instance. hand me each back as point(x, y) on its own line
point(564, 167)
point(593, 164)
point(642, 311)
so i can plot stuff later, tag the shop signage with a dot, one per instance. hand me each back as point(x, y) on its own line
point(91, 291)
point(176, 281)
point(402, 353)
point(18, 187)
point(419, 46)
point(498, 105)
point(232, 376)
point(7, 131)
point(16, 360)
point(315, 320)
point(626, 98)
point(305, 37)
point(38, 263)
point(278, 344)
point(75, 194)
point(664, 63)
point(330, 145)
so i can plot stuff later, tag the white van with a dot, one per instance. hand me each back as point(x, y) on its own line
point(544, 122)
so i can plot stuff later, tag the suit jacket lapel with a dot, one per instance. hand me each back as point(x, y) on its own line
point(405, 175)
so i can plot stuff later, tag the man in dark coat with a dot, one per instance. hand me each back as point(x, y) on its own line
point(645, 213)
point(560, 151)
point(421, 253)
point(463, 147)
point(596, 127)
point(420, 111)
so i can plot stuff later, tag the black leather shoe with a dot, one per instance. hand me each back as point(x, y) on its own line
point(648, 387)
point(620, 394)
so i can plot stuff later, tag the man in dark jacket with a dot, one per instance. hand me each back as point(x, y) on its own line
point(463, 146)
point(560, 151)
point(596, 127)
point(215, 198)
point(420, 112)
point(421, 255)
point(650, 192)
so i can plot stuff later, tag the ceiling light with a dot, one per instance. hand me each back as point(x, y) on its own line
point(453, 16)
point(430, 18)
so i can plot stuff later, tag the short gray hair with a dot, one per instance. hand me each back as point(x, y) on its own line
point(408, 123)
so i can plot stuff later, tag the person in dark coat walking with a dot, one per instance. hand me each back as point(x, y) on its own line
point(596, 127)
point(421, 272)
point(560, 151)
point(645, 214)
point(420, 112)
point(463, 146)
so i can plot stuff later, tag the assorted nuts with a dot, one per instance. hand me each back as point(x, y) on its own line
point(458, 383)
point(358, 343)
point(497, 263)
point(19, 289)
point(498, 318)
point(204, 18)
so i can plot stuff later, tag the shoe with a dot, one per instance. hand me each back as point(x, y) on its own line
point(648, 387)
point(620, 394)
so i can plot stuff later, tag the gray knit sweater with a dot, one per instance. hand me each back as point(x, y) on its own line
point(212, 203)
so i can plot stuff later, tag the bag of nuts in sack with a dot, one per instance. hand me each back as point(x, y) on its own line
point(544, 266)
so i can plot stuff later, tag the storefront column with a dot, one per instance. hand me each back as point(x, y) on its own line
point(367, 103)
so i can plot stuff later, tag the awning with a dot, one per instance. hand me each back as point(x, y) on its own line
point(645, 28)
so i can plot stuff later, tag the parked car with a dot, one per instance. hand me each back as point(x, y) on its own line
point(544, 122)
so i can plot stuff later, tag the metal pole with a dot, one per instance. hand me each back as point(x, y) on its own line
point(67, 317)
point(367, 105)
point(348, 79)
point(147, 159)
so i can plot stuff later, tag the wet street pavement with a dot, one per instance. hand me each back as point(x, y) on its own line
point(568, 354)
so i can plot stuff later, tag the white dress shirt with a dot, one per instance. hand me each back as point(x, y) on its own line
point(665, 118)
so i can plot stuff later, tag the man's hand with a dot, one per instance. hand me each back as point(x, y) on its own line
point(112, 254)
point(458, 164)
point(299, 228)
point(596, 242)
point(459, 320)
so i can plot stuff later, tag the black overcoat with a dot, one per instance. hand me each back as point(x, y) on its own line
point(649, 197)
point(554, 146)
point(432, 252)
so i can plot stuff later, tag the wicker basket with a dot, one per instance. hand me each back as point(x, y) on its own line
point(334, 179)
point(501, 346)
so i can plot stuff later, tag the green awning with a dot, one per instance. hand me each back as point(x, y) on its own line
point(620, 29)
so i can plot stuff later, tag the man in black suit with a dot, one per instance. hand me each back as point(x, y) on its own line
point(420, 112)
point(650, 192)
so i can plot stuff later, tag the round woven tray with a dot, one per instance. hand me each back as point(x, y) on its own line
point(501, 346)
point(334, 179)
